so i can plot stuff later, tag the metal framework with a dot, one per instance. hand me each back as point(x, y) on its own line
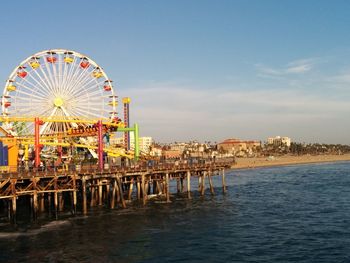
point(58, 83)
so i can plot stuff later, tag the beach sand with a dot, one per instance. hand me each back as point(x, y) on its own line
point(243, 163)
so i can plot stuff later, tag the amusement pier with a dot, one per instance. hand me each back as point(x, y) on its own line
point(112, 187)
point(59, 111)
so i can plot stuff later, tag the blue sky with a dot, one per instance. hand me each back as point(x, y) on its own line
point(205, 70)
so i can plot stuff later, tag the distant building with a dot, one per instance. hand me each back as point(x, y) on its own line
point(178, 146)
point(172, 154)
point(239, 147)
point(144, 142)
point(156, 151)
point(279, 141)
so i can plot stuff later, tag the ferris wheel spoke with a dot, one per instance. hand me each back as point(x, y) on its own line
point(27, 101)
point(87, 113)
point(87, 86)
point(65, 111)
point(40, 81)
point(74, 71)
point(90, 94)
point(60, 74)
point(34, 87)
point(65, 89)
point(77, 79)
point(55, 73)
point(51, 70)
point(64, 74)
point(21, 91)
point(44, 80)
point(81, 82)
point(52, 75)
point(25, 88)
point(48, 81)
point(44, 69)
point(70, 73)
point(50, 117)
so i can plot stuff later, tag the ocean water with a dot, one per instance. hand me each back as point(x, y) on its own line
point(277, 214)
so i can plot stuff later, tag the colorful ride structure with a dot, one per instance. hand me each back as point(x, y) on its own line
point(59, 100)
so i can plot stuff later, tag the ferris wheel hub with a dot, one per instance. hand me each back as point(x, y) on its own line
point(58, 102)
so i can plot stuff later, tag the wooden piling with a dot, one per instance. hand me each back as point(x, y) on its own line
point(56, 197)
point(14, 201)
point(114, 186)
point(120, 190)
point(49, 203)
point(223, 181)
point(200, 183)
point(159, 188)
point(203, 183)
point(100, 189)
point(56, 204)
point(167, 188)
point(144, 196)
point(74, 196)
point(14, 210)
point(138, 190)
point(83, 182)
point(107, 192)
point(35, 205)
point(130, 189)
point(211, 183)
point(117, 191)
point(42, 202)
point(35, 200)
point(60, 202)
point(188, 184)
point(92, 190)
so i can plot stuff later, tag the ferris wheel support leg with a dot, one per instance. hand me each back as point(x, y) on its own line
point(100, 145)
point(37, 142)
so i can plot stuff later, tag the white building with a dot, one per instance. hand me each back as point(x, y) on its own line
point(144, 142)
point(279, 141)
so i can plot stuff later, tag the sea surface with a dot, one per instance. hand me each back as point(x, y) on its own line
point(278, 214)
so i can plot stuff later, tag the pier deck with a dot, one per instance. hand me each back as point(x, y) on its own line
point(112, 187)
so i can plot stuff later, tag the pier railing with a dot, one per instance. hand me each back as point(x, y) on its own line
point(23, 172)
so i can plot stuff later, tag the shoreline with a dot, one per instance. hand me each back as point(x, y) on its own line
point(259, 162)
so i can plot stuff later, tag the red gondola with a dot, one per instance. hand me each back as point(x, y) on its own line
point(107, 86)
point(21, 72)
point(51, 58)
point(7, 104)
point(84, 63)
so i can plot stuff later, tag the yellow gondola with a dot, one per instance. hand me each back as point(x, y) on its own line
point(112, 103)
point(97, 74)
point(11, 87)
point(34, 64)
point(68, 59)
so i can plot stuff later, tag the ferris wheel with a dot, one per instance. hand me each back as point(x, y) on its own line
point(58, 84)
